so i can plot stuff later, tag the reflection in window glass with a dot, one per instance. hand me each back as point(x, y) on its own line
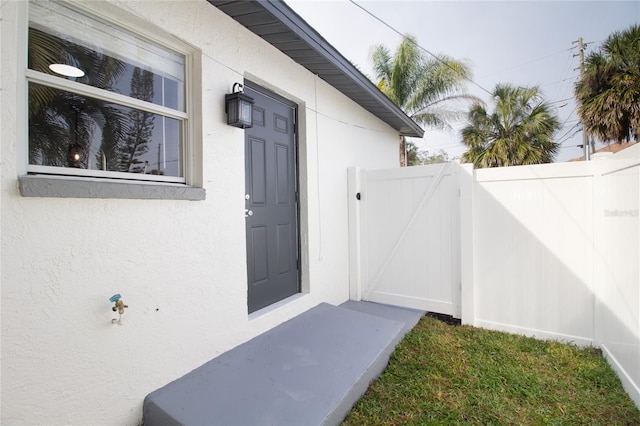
point(101, 70)
point(70, 130)
point(82, 125)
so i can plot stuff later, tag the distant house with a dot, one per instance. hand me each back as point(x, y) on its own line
point(609, 148)
point(121, 176)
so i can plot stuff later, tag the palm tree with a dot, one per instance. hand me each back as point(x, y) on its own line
point(426, 88)
point(136, 144)
point(519, 131)
point(58, 118)
point(608, 93)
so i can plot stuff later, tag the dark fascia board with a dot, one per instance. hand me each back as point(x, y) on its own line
point(363, 91)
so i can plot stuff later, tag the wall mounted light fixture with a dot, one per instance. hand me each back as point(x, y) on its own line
point(239, 108)
point(66, 70)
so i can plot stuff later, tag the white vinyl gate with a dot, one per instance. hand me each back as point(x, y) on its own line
point(549, 250)
point(405, 237)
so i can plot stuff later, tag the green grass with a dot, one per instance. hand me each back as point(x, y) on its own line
point(443, 374)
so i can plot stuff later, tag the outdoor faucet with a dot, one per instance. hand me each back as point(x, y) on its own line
point(119, 306)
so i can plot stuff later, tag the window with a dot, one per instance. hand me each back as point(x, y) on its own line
point(116, 109)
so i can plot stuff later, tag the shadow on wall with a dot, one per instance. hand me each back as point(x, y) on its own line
point(534, 269)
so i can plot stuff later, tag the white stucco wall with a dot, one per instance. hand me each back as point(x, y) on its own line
point(179, 265)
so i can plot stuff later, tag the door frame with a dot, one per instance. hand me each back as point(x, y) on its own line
point(296, 160)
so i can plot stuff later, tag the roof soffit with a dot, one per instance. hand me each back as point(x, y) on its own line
point(280, 26)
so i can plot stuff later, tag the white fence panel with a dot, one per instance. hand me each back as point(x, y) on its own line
point(556, 254)
point(409, 237)
point(617, 274)
point(533, 250)
point(551, 251)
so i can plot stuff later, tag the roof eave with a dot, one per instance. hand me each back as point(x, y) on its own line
point(325, 61)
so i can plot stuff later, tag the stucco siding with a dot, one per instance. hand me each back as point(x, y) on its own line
point(179, 265)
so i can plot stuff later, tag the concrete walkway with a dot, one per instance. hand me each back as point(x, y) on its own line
point(309, 370)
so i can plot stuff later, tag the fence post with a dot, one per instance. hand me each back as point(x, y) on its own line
point(354, 192)
point(466, 178)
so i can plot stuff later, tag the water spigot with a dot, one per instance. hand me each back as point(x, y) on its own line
point(119, 307)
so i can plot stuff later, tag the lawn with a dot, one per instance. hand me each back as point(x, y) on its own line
point(446, 374)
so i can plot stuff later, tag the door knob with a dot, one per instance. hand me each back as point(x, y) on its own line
point(248, 212)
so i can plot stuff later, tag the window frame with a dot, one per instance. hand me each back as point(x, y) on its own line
point(191, 155)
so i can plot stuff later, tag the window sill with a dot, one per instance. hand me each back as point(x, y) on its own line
point(73, 187)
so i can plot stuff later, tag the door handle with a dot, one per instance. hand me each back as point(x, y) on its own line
point(248, 212)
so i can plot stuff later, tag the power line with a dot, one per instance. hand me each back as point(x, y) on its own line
point(418, 46)
point(569, 137)
point(565, 75)
point(557, 82)
point(528, 62)
point(561, 100)
point(567, 132)
point(568, 117)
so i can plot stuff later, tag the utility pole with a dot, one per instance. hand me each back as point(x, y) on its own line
point(585, 138)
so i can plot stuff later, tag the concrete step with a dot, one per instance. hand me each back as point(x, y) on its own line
point(309, 370)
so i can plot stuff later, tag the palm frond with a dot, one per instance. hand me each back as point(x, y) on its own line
point(519, 131)
point(431, 91)
point(608, 93)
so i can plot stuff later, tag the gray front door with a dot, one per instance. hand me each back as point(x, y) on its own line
point(271, 200)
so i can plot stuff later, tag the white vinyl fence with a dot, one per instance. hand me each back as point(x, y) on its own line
point(551, 251)
point(409, 237)
point(617, 265)
point(533, 250)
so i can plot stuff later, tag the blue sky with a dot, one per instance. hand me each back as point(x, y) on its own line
point(517, 42)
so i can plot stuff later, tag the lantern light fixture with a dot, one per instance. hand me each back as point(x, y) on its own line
point(239, 108)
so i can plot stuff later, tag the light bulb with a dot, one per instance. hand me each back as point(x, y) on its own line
point(66, 70)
